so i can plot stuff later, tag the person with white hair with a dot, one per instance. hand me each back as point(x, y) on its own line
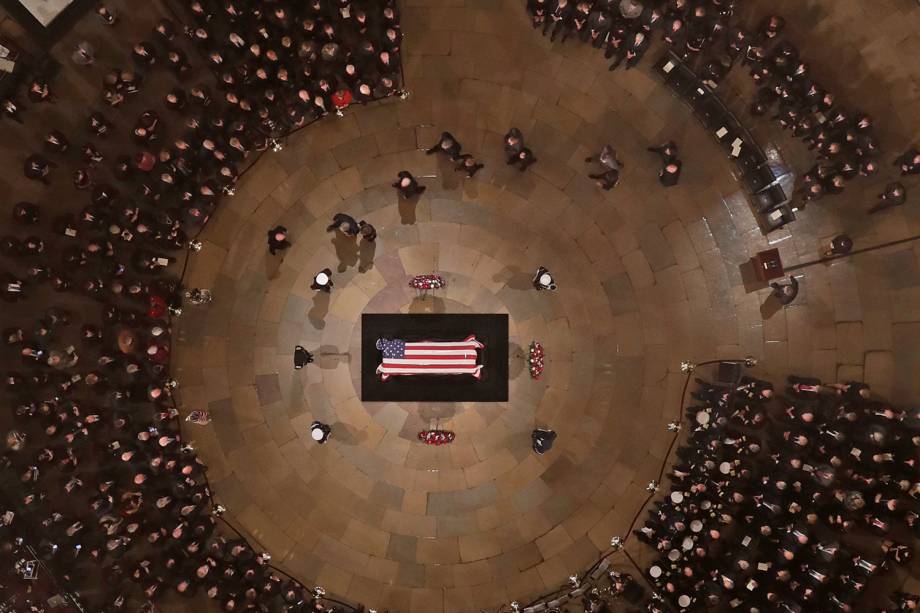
point(543, 280)
point(320, 432)
point(631, 9)
point(322, 282)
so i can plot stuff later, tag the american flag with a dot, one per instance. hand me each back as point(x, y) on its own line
point(429, 357)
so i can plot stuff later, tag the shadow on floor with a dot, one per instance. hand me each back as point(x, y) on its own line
point(346, 250)
point(517, 355)
point(330, 357)
point(347, 434)
point(515, 278)
point(366, 253)
point(273, 264)
point(407, 210)
point(427, 304)
point(317, 314)
point(770, 307)
point(434, 411)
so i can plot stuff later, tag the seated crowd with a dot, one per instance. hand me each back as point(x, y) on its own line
point(111, 492)
point(707, 34)
point(786, 502)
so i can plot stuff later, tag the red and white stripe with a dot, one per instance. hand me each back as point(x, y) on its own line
point(435, 358)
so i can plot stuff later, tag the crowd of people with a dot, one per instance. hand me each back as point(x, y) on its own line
point(843, 139)
point(624, 28)
point(111, 493)
point(706, 33)
point(786, 501)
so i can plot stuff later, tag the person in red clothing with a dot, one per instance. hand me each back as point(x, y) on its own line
point(342, 98)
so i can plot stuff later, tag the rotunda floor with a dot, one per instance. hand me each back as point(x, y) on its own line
point(647, 277)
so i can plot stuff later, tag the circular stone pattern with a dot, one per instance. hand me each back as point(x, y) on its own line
point(647, 277)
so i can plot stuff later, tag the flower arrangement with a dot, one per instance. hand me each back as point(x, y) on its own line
point(436, 437)
point(426, 282)
point(535, 360)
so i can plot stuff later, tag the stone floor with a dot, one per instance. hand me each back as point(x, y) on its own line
point(648, 277)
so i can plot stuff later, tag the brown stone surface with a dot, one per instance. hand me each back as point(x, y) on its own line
point(647, 278)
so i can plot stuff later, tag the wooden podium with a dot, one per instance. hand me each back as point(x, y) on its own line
point(768, 265)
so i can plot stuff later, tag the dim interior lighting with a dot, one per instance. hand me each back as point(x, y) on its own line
point(652, 486)
point(687, 366)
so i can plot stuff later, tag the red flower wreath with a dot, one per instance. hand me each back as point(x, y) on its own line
point(535, 360)
point(436, 437)
point(426, 282)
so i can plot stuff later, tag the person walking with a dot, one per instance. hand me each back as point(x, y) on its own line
point(542, 440)
point(670, 173)
point(278, 239)
point(516, 151)
point(302, 357)
point(667, 151)
point(345, 224)
point(543, 280)
point(320, 432)
point(468, 164)
point(841, 244)
point(367, 231)
point(895, 194)
point(447, 145)
point(610, 168)
point(322, 282)
point(407, 185)
point(787, 291)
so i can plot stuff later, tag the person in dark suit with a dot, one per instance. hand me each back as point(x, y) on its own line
point(787, 291)
point(909, 162)
point(598, 26)
point(320, 432)
point(670, 173)
point(559, 16)
point(468, 164)
point(446, 144)
point(514, 143)
point(407, 185)
point(667, 151)
point(542, 440)
point(543, 280)
point(367, 231)
point(38, 167)
point(895, 194)
point(345, 224)
point(10, 109)
point(516, 151)
point(322, 282)
point(632, 51)
point(302, 357)
point(278, 239)
point(56, 142)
